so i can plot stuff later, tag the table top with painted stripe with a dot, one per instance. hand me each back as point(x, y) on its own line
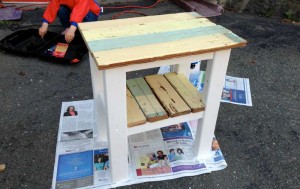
point(116, 43)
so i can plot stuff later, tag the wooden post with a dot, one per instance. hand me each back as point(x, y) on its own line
point(99, 102)
point(184, 69)
point(213, 86)
point(116, 116)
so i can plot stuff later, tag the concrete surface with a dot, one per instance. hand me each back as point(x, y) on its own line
point(260, 143)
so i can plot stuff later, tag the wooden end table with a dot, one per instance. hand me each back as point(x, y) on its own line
point(124, 45)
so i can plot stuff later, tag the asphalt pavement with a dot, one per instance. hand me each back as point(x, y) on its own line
point(260, 143)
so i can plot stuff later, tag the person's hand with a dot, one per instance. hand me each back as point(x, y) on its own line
point(70, 33)
point(43, 29)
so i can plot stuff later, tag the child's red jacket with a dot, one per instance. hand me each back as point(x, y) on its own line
point(79, 8)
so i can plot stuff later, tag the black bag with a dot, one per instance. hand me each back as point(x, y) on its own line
point(29, 43)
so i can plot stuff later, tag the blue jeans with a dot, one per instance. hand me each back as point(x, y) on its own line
point(64, 16)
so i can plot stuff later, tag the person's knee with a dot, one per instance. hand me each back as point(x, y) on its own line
point(63, 10)
point(90, 17)
point(64, 15)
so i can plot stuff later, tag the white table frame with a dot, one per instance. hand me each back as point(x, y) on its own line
point(109, 90)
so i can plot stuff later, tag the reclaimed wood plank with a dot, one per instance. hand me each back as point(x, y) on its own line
point(146, 100)
point(151, 97)
point(86, 26)
point(154, 38)
point(184, 80)
point(190, 87)
point(186, 90)
point(135, 116)
point(146, 28)
point(167, 95)
point(162, 51)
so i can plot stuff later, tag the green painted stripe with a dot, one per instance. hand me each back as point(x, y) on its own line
point(137, 91)
point(162, 37)
point(235, 38)
point(134, 88)
point(144, 86)
point(150, 96)
point(139, 87)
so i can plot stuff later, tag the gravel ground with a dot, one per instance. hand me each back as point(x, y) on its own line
point(260, 143)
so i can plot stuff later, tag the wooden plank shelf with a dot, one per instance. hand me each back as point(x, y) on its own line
point(163, 123)
point(167, 95)
point(173, 91)
point(146, 100)
point(148, 126)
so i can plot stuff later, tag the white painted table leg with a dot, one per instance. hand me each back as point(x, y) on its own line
point(99, 104)
point(214, 82)
point(183, 68)
point(115, 98)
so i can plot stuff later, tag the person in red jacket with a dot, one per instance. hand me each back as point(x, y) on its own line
point(70, 13)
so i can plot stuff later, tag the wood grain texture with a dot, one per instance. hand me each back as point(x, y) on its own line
point(135, 116)
point(139, 40)
point(186, 90)
point(146, 28)
point(127, 22)
point(167, 95)
point(154, 38)
point(146, 100)
point(162, 51)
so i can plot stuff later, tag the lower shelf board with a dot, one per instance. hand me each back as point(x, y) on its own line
point(163, 123)
point(134, 114)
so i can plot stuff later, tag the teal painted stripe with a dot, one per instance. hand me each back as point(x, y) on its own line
point(148, 92)
point(234, 37)
point(147, 39)
point(139, 87)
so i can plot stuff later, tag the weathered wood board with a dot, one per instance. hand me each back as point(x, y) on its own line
point(153, 38)
point(186, 90)
point(167, 95)
point(146, 100)
point(135, 116)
